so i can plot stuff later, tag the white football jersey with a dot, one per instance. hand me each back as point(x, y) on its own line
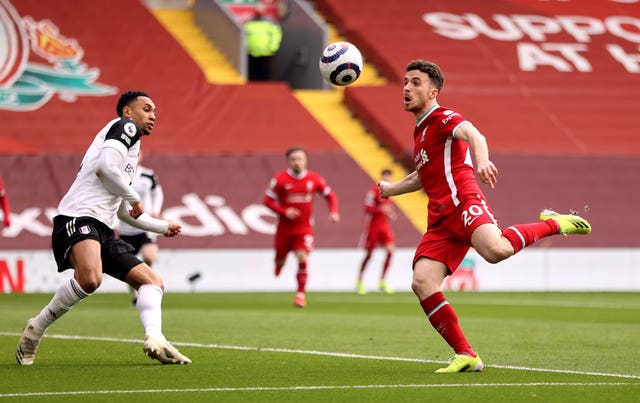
point(87, 196)
point(145, 182)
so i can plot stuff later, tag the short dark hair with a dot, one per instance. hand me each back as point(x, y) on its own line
point(293, 149)
point(386, 172)
point(128, 97)
point(431, 69)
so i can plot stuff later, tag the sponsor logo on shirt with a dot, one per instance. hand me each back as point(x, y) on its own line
point(449, 114)
point(300, 198)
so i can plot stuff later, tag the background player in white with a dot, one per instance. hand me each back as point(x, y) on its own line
point(83, 238)
point(145, 183)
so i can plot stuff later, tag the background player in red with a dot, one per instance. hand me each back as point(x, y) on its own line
point(4, 203)
point(376, 231)
point(459, 216)
point(290, 195)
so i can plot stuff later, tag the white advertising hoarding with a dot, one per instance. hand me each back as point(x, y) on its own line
point(230, 270)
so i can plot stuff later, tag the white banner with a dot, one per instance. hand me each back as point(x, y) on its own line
point(204, 270)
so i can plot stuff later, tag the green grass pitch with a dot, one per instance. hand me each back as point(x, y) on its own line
point(255, 347)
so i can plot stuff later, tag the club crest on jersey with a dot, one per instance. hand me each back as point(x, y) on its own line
point(424, 133)
point(130, 129)
point(129, 169)
point(309, 186)
point(84, 229)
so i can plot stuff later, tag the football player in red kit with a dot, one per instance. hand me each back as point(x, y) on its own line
point(459, 216)
point(4, 203)
point(376, 231)
point(290, 195)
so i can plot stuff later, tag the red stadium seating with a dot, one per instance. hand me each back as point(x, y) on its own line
point(131, 50)
point(545, 111)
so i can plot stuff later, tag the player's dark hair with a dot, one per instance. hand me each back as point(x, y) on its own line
point(293, 149)
point(429, 68)
point(386, 172)
point(128, 97)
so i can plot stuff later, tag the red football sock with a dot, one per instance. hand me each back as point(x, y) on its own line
point(444, 319)
point(522, 235)
point(364, 264)
point(386, 266)
point(302, 276)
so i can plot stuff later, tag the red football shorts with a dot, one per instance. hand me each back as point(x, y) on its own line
point(378, 235)
point(285, 243)
point(449, 240)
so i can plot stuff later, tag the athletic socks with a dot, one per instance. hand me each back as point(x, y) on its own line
point(301, 276)
point(68, 295)
point(523, 235)
point(149, 307)
point(444, 319)
point(385, 267)
point(364, 264)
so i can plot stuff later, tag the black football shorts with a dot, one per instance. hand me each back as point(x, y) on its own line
point(117, 256)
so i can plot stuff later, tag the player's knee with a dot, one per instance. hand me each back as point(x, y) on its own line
point(89, 283)
point(494, 254)
point(423, 286)
point(155, 279)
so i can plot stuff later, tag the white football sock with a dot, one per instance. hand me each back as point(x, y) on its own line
point(150, 310)
point(67, 296)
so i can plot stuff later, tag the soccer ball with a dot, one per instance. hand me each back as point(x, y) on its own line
point(341, 63)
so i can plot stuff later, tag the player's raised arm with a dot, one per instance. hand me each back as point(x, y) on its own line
point(110, 173)
point(478, 143)
point(408, 184)
point(332, 200)
point(148, 223)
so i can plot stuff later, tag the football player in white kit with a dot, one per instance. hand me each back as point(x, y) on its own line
point(83, 238)
point(145, 182)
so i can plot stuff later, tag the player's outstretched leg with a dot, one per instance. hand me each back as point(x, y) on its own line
point(568, 223)
point(463, 363)
point(28, 344)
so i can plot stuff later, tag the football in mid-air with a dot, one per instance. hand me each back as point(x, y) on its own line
point(341, 63)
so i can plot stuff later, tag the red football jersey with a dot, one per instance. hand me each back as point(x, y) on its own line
point(443, 162)
point(374, 207)
point(4, 203)
point(287, 189)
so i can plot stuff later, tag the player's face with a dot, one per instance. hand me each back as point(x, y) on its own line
point(297, 161)
point(419, 93)
point(143, 112)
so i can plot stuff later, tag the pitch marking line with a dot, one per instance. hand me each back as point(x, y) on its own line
point(329, 354)
point(318, 387)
